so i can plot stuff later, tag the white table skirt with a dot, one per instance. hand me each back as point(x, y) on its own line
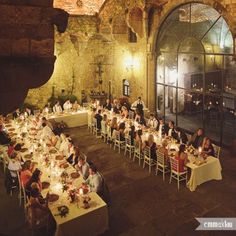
point(205, 172)
point(75, 119)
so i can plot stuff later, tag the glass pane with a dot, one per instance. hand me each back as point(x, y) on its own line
point(212, 117)
point(170, 104)
point(229, 121)
point(170, 34)
point(214, 74)
point(190, 71)
point(191, 45)
point(202, 18)
point(160, 69)
point(160, 100)
point(229, 75)
point(171, 75)
point(218, 39)
point(190, 107)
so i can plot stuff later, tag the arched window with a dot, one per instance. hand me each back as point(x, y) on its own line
point(196, 71)
point(126, 88)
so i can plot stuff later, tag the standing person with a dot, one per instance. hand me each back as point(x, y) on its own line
point(98, 118)
point(139, 105)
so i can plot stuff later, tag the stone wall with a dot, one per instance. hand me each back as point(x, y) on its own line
point(104, 38)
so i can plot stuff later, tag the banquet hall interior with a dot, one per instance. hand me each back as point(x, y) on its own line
point(117, 117)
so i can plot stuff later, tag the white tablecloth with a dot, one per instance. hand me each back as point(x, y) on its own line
point(72, 119)
point(211, 170)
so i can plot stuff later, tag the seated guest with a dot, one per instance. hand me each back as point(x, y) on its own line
point(152, 122)
point(182, 158)
point(64, 146)
point(83, 167)
point(94, 181)
point(98, 118)
point(104, 124)
point(164, 150)
point(153, 147)
point(47, 122)
point(124, 112)
point(4, 138)
point(121, 130)
point(16, 113)
point(138, 139)
point(116, 106)
point(114, 124)
point(171, 130)
point(139, 118)
point(14, 165)
point(38, 209)
point(197, 139)
point(57, 108)
point(132, 134)
point(162, 128)
point(46, 132)
point(35, 178)
point(26, 172)
point(73, 155)
point(11, 147)
point(107, 105)
point(207, 147)
point(67, 105)
point(181, 136)
point(75, 106)
point(91, 114)
point(28, 112)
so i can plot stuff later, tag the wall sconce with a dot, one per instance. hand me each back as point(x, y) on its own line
point(131, 62)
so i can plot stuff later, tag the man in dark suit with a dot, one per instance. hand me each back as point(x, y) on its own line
point(16, 113)
point(181, 136)
point(171, 130)
point(197, 139)
point(107, 105)
point(98, 118)
point(162, 128)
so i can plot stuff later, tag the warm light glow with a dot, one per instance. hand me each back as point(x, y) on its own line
point(131, 62)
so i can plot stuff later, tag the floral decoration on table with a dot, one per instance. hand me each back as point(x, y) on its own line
point(63, 211)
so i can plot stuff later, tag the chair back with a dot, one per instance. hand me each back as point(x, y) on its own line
point(147, 152)
point(217, 150)
point(174, 164)
point(104, 127)
point(117, 135)
point(95, 122)
point(128, 140)
point(160, 158)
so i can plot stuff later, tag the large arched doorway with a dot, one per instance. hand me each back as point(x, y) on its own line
point(195, 78)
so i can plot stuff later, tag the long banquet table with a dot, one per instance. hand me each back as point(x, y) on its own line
point(78, 221)
point(71, 119)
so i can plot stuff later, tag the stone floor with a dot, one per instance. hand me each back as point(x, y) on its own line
point(142, 204)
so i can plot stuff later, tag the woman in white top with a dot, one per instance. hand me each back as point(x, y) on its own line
point(67, 105)
point(14, 165)
point(57, 108)
point(64, 147)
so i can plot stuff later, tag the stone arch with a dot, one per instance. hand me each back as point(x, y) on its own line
point(173, 4)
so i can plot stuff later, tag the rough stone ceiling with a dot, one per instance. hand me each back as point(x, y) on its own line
point(79, 7)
